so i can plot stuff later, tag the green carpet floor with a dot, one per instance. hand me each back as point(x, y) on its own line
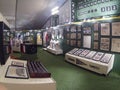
point(71, 77)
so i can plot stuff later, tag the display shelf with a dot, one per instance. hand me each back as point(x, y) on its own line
point(24, 84)
point(102, 66)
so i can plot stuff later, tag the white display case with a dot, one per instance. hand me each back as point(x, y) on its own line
point(99, 66)
point(24, 84)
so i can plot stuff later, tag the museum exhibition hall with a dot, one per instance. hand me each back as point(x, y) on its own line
point(59, 45)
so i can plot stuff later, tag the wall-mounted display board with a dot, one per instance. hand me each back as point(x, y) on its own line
point(105, 36)
point(87, 31)
point(73, 35)
point(96, 8)
point(96, 36)
point(73, 11)
point(65, 13)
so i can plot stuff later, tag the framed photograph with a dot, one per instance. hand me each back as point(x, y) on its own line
point(105, 29)
point(90, 54)
point(73, 50)
point(68, 42)
point(87, 30)
point(73, 35)
point(116, 29)
point(106, 58)
point(115, 45)
point(16, 63)
point(95, 36)
point(78, 52)
point(84, 53)
point(87, 41)
point(95, 45)
point(79, 27)
point(79, 36)
point(16, 72)
point(96, 27)
point(98, 56)
point(68, 35)
point(105, 44)
point(73, 28)
point(78, 43)
point(73, 42)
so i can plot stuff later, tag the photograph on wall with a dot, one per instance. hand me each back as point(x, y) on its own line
point(115, 45)
point(73, 36)
point(67, 28)
point(68, 35)
point(87, 30)
point(105, 44)
point(79, 36)
point(79, 28)
point(73, 28)
point(72, 42)
point(98, 56)
point(116, 29)
point(96, 45)
point(78, 43)
point(96, 27)
point(106, 58)
point(105, 29)
point(68, 41)
point(95, 36)
point(87, 41)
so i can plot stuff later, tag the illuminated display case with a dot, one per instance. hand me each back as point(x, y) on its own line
point(55, 45)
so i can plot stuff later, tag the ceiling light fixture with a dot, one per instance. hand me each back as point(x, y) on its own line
point(55, 10)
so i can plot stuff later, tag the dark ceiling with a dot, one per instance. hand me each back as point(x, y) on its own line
point(28, 14)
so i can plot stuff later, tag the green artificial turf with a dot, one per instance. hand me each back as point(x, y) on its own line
point(71, 77)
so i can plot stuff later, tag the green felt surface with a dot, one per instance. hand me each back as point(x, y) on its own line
point(71, 77)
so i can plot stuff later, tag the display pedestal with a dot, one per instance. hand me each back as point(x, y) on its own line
point(54, 51)
point(54, 47)
point(24, 84)
point(90, 64)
